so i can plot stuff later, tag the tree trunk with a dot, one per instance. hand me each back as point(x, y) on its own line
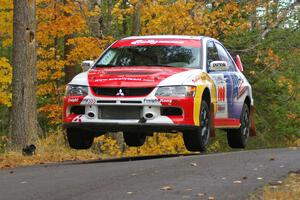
point(136, 19)
point(69, 69)
point(24, 114)
point(124, 23)
point(109, 17)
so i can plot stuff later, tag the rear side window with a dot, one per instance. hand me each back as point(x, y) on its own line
point(223, 55)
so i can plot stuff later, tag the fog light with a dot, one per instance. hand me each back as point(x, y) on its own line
point(91, 114)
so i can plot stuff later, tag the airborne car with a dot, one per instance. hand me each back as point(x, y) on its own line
point(147, 84)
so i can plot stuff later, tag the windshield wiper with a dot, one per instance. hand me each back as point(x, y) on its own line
point(103, 65)
point(161, 65)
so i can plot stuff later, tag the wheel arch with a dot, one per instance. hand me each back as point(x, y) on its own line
point(247, 101)
point(206, 95)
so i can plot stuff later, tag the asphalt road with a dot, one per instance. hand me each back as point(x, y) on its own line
point(223, 176)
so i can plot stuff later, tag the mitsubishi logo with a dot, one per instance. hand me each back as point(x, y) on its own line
point(120, 93)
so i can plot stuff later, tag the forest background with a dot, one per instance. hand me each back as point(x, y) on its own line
point(264, 33)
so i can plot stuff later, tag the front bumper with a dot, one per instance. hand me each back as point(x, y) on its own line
point(101, 128)
point(97, 106)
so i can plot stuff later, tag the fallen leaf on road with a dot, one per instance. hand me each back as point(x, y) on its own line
point(244, 177)
point(166, 188)
point(237, 182)
point(188, 189)
point(129, 192)
point(281, 166)
point(211, 198)
point(260, 178)
point(133, 174)
point(200, 194)
point(272, 158)
point(193, 164)
point(224, 178)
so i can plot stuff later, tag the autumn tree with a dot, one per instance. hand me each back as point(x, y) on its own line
point(24, 115)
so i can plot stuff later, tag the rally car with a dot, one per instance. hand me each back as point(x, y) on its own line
point(177, 84)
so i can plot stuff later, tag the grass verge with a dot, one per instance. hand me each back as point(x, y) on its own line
point(289, 189)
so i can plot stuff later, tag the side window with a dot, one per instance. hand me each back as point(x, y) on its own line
point(212, 53)
point(223, 55)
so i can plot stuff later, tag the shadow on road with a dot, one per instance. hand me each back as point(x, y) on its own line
point(133, 158)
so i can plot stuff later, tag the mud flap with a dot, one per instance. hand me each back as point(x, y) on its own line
point(252, 120)
point(212, 121)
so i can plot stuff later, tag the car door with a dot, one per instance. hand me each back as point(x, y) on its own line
point(221, 80)
point(233, 83)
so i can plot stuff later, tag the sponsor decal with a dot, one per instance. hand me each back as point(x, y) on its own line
point(169, 101)
point(137, 42)
point(77, 118)
point(151, 101)
point(199, 77)
point(89, 101)
point(166, 101)
point(221, 108)
point(120, 79)
point(73, 100)
point(221, 93)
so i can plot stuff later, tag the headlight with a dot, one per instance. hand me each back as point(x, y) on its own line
point(176, 91)
point(76, 90)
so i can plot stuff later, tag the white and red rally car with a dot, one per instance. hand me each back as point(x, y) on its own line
point(147, 84)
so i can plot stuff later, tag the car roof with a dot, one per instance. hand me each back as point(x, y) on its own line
point(164, 37)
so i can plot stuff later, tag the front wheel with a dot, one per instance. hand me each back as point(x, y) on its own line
point(79, 139)
point(237, 138)
point(198, 140)
point(134, 139)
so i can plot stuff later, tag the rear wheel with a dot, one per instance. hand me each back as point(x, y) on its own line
point(237, 138)
point(198, 139)
point(134, 139)
point(79, 139)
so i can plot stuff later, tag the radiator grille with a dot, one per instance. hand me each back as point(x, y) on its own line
point(103, 91)
point(120, 112)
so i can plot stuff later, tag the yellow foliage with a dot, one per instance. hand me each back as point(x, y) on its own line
point(6, 18)
point(188, 17)
point(158, 144)
point(62, 24)
point(286, 83)
point(272, 60)
point(86, 48)
point(50, 149)
point(5, 81)
point(286, 189)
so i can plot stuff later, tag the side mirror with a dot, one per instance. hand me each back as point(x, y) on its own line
point(87, 64)
point(238, 63)
point(218, 66)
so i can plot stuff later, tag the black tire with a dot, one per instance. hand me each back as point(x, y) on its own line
point(237, 138)
point(79, 139)
point(134, 139)
point(198, 139)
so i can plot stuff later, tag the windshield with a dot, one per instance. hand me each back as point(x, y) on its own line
point(174, 56)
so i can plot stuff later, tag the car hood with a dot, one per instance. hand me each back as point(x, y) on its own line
point(147, 76)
